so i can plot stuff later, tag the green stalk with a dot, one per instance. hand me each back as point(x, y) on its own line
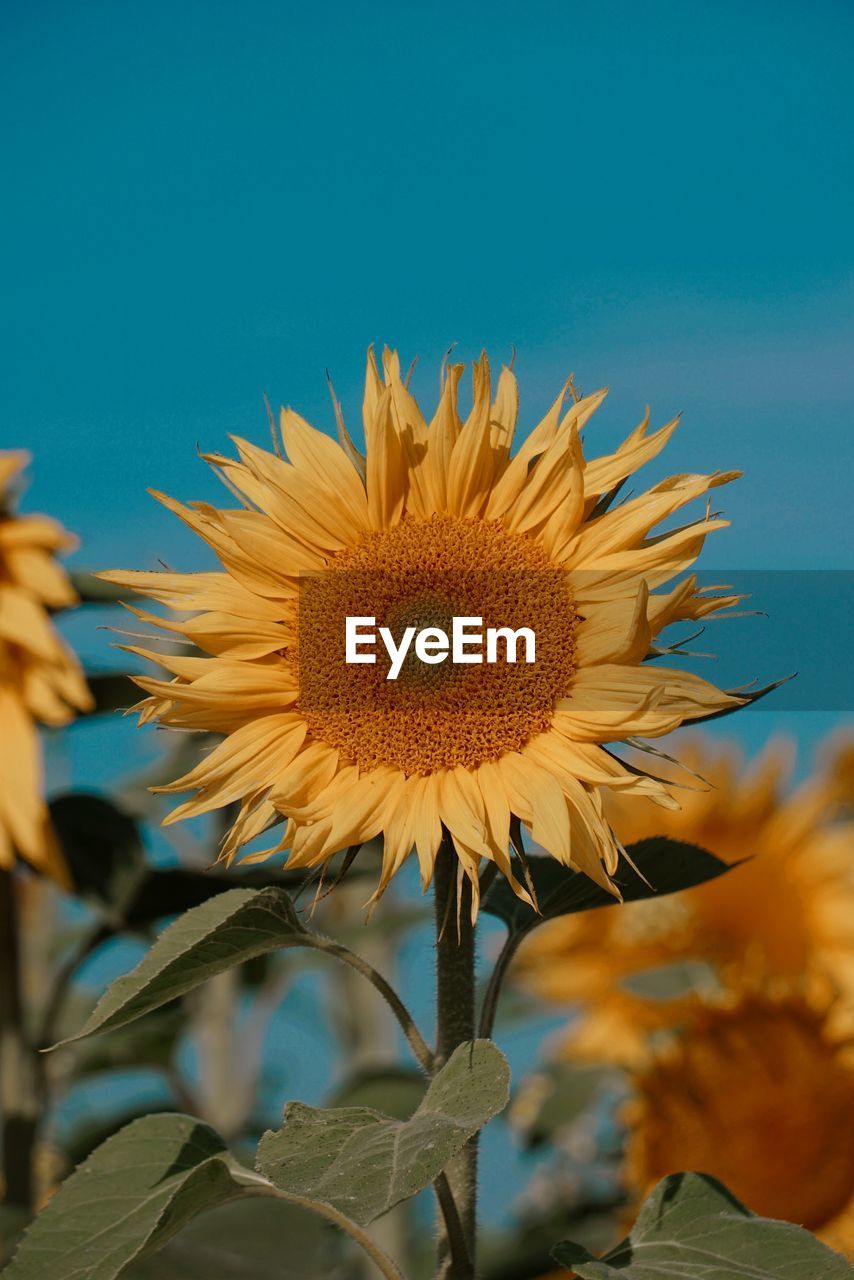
point(455, 1024)
point(18, 1101)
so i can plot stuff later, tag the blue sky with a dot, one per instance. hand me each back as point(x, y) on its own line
point(212, 200)
point(209, 201)
point(206, 201)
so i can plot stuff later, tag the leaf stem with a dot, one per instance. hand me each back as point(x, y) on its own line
point(382, 1261)
point(408, 1025)
point(496, 980)
point(455, 1023)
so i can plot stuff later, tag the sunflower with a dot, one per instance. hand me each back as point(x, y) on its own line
point(759, 1094)
point(839, 760)
point(782, 915)
point(436, 520)
point(40, 680)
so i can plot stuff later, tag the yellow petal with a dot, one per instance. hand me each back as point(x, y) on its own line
point(442, 436)
point(386, 473)
point(315, 455)
point(617, 632)
point(603, 474)
point(247, 761)
point(472, 464)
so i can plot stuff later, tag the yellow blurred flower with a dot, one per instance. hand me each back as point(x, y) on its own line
point(437, 520)
point(839, 759)
point(761, 1096)
point(786, 915)
point(40, 680)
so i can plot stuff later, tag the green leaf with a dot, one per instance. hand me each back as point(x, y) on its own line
point(169, 892)
point(103, 849)
point(232, 927)
point(363, 1162)
point(253, 1239)
point(693, 1227)
point(130, 1197)
point(87, 1132)
point(665, 866)
point(13, 1221)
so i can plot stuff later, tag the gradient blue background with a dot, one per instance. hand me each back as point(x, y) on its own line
point(205, 201)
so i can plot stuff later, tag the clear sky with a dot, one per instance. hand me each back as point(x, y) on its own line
point(207, 200)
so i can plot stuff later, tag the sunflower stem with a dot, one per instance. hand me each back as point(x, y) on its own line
point(18, 1102)
point(455, 1024)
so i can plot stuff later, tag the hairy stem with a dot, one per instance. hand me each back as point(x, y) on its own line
point(452, 1237)
point(455, 1024)
point(18, 1100)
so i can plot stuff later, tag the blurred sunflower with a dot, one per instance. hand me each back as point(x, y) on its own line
point(437, 520)
point(783, 916)
point(760, 1095)
point(839, 763)
point(40, 680)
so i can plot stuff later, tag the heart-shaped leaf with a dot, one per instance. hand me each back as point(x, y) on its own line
point(362, 1162)
point(130, 1197)
point(663, 866)
point(692, 1227)
point(232, 927)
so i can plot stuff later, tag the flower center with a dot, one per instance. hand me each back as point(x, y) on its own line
point(423, 574)
point(714, 1108)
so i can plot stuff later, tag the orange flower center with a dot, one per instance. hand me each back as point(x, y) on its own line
point(760, 1100)
point(422, 574)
